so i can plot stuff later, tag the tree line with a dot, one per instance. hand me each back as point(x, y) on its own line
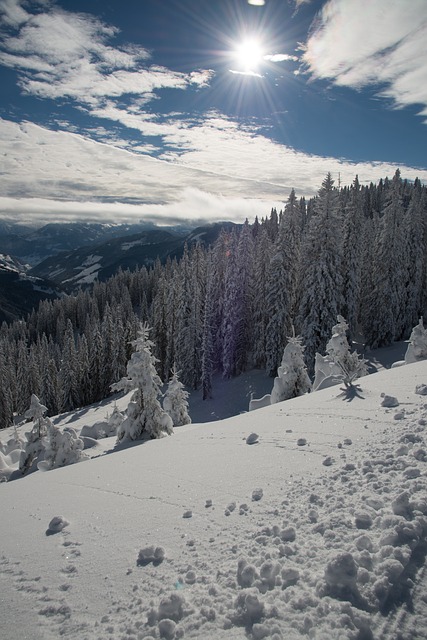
point(358, 251)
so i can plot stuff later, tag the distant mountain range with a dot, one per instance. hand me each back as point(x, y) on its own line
point(35, 245)
point(58, 258)
point(81, 267)
point(19, 291)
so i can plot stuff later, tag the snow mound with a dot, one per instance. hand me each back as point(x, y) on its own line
point(151, 554)
point(252, 438)
point(389, 401)
point(57, 524)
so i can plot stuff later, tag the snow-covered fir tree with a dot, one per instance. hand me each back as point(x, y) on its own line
point(415, 236)
point(352, 255)
point(282, 282)
point(145, 417)
point(292, 378)
point(114, 422)
point(262, 257)
point(417, 348)
point(231, 310)
point(209, 338)
point(62, 447)
point(175, 402)
point(340, 364)
point(321, 280)
point(35, 445)
point(385, 301)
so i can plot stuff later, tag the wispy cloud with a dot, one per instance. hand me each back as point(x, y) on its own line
point(62, 54)
point(12, 13)
point(280, 57)
point(247, 72)
point(357, 43)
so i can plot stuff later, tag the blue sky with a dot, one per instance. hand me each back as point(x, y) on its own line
point(170, 110)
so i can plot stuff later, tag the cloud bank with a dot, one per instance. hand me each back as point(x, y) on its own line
point(218, 171)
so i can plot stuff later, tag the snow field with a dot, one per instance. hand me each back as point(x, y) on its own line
point(278, 545)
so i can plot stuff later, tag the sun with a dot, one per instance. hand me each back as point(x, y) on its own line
point(249, 54)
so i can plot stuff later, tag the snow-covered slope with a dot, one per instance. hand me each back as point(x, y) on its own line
point(317, 530)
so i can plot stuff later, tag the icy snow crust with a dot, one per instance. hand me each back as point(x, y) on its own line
point(279, 544)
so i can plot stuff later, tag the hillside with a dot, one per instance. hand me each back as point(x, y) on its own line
point(35, 245)
point(99, 261)
point(20, 292)
point(317, 530)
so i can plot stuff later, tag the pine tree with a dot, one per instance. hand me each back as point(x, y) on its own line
point(282, 283)
point(209, 333)
point(262, 258)
point(230, 319)
point(145, 416)
point(292, 379)
point(352, 255)
point(6, 400)
point(415, 235)
point(175, 402)
point(340, 364)
point(114, 422)
point(417, 348)
point(321, 281)
point(385, 301)
point(68, 374)
point(35, 445)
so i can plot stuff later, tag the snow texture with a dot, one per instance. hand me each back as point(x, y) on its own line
point(328, 551)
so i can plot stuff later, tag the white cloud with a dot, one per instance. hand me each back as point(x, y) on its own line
point(299, 3)
point(11, 13)
point(67, 54)
point(192, 205)
point(215, 170)
point(280, 57)
point(357, 43)
point(248, 72)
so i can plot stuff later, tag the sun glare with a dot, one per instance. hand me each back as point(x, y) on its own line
point(249, 55)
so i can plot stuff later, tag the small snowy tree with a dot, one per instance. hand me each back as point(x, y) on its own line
point(145, 416)
point(292, 379)
point(114, 422)
point(339, 364)
point(417, 348)
point(35, 445)
point(175, 402)
point(62, 447)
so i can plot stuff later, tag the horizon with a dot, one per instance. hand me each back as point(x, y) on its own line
point(203, 112)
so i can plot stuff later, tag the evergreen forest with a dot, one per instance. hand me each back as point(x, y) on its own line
point(358, 251)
